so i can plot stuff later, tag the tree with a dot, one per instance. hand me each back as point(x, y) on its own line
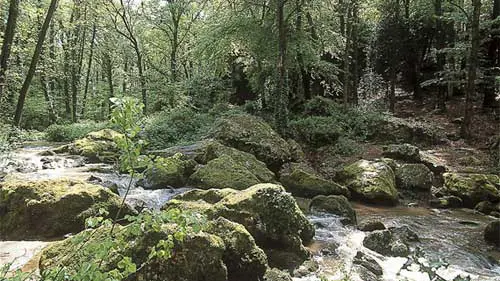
point(34, 61)
point(471, 68)
point(7, 41)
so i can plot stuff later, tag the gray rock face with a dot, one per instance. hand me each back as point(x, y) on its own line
point(368, 263)
point(391, 242)
point(368, 226)
point(492, 233)
point(338, 205)
point(446, 202)
point(405, 152)
point(414, 177)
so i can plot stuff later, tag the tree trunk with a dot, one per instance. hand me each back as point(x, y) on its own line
point(281, 98)
point(109, 75)
point(142, 80)
point(34, 61)
point(89, 68)
point(489, 100)
point(471, 69)
point(441, 57)
point(7, 41)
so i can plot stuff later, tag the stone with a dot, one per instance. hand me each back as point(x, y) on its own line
point(52, 208)
point(492, 233)
point(368, 263)
point(487, 207)
point(301, 180)
point(407, 130)
point(446, 202)
point(370, 181)
point(472, 188)
point(404, 152)
point(275, 274)
point(170, 172)
point(368, 226)
point(334, 204)
point(415, 177)
point(379, 241)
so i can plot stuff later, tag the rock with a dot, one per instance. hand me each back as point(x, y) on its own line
point(414, 177)
point(446, 202)
point(390, 242)
point(52, 208)
point(371, 226)
point(399, 249)
point(370, 181)
point(296, 151)
point(368, 263)
point(472, 188)
point(168, 172)
point(302, 181)
point(251, 134)
point(198, 257)
point(97, 147)
point(277, 275)
point(404, 233)
point(308, 267)
point(379, 241)
point(267, 211)
point(405, 152)
point(223, 172)
point(364, 273)
point(407, 130)
point(334, 204)
point(211, 196)
point(487, 207)
point(434, 163)
point(243, 259)
point(492, 233)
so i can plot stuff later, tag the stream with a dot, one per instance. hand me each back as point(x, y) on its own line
point(451, 241)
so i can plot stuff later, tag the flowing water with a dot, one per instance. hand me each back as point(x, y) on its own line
point(451, 242)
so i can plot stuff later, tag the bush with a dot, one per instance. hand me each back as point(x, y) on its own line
point(316, 130)
point(70, 132)
point(175, 127)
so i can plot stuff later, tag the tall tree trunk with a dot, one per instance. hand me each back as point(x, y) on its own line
point(48, 98)
point(489, 100)
point(34, 61)
point(109, 75)
point(441, 57)
point(281, 98)
point(7, 41)
point(142, 79)
point(355, 36)
point(472, 68)
point(89, 69)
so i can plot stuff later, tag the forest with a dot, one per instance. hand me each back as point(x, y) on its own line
point(250, 140)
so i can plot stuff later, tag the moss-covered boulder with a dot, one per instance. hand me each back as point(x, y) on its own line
point(387, 243)
point(492, 233)
point(415, 177)
point(211, 196)
point(303, 181)
point(243, 259)
point(198, 257)
point(168, 172)
point(275, 274)
point(253, 135)
point(223, 172)
point(487, 207)
point(405, 152)
point(267, 211)
point(97, 147)
point(446, 202)
point(338, 205)
point(52, 208)
point(472, 188)
point(403, 130)
point(370, 181)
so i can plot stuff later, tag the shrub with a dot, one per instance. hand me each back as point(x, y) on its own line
point(169, 128)
point(316, 130)
point(70, 132)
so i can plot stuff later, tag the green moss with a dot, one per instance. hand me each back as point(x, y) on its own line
point(52, 208)
point(370, 181)
point(210, 196)
point(303, 181)
point(414, 176)
point(338, 205)
point(223, 172)
point(472, 188)
point(171, 171)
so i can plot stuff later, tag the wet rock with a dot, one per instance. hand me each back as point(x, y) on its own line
point(414, 177)
point(172, 171)
point(303, 181)
point(253, 135)
point(368, 263)
point(472, 188)
point(379, 241)
point(338, 205)
point(308, 267)
point(277, 275)
point(365, 274)
point(268, 212)
point(404, 233)
point(405, 152)
point(487, 207)
point(211, 196)
point(368, 226)
point(97, 147)
point(52, 208)
point(390, 242)
point(370, 181)
point(492, 233)
point(399, 249)
point(446, 202)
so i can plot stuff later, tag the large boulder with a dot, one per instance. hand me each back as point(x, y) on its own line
point(416, 177)
point(52, 208)
point(198, 256)
point(223, 172)
point(403, 130)
point(472, 188)
point(168, 172)
point(390, 242)
point(301, 180)
point(405, 152)
point(446, 202)
point(253, 135)
point(97, 146)
point(370, 181)
point(492, 232)
point(338, 205)
point(267, 211)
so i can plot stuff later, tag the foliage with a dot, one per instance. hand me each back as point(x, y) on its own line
point(71, 132)
point(177, 126)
